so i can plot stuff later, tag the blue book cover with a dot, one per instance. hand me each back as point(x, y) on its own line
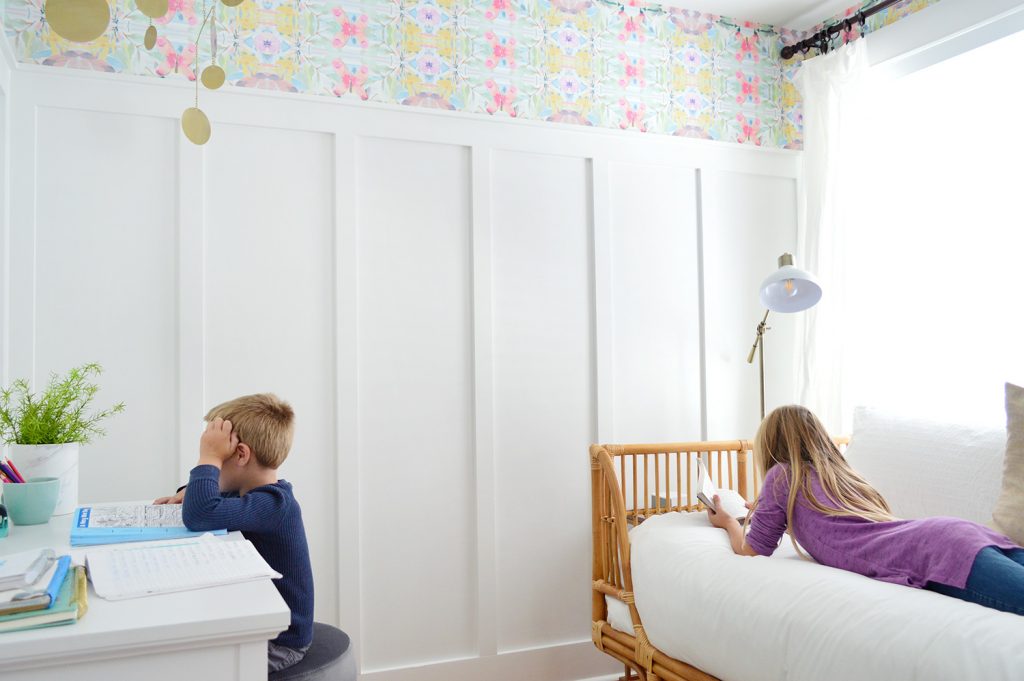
point(117, 523)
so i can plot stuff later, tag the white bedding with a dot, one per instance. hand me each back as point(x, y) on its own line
point(753, 619)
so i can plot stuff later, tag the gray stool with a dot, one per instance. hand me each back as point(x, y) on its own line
point(329, 658)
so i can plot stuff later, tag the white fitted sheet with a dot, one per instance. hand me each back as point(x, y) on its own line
point(783, 618)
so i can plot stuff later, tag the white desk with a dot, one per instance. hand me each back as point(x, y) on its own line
point(215, 634)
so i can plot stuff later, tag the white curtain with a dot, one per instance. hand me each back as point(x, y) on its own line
point(828, 196)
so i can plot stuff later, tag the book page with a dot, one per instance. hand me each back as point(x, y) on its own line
point(143, 570)
point(131, 515)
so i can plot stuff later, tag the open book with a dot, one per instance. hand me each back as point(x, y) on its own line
point(118, 523)
point(732, 502)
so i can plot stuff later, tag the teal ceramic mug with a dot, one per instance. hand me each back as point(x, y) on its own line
point(31, 502)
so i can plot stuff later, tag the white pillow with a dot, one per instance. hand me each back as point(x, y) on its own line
point(925, 468)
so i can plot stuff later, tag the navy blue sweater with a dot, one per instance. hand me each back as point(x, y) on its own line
point(269, 517)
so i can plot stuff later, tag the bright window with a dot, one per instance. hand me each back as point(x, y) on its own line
point(936, 254)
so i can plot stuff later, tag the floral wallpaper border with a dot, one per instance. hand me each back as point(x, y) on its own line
point(629, 64)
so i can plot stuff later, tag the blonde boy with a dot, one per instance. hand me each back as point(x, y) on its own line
point(235, 486)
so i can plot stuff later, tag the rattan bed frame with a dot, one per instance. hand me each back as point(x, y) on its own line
point(630, 483)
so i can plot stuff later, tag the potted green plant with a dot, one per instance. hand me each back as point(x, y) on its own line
point(46, 429)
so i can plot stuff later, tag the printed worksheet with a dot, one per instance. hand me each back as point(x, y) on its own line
point(133, 515)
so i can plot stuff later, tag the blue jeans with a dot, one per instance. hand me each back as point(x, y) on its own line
point(996, 581)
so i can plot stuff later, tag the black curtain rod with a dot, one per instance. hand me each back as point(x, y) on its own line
point(820, 39)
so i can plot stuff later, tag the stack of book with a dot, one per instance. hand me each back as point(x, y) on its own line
point(39, 589)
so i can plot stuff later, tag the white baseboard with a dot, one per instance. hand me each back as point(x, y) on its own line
point(571, 662)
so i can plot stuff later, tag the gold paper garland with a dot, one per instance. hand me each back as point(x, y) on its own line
point(83, 21)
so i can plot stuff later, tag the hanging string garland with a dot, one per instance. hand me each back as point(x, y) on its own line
point(154, 9)
point(194, 123)
point(83, 21)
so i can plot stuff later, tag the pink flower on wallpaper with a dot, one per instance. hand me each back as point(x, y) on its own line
point(429, 16)
point(692, 21)
point(633, 28)
point(748, 47)
point(568, 39)
point(429, 65)
point(352, 81)
point(569, 84)
point(632, 115)
point(176, 59)
point(183, 10)
point(692, 101)
point(74, 59)
point(352, 29)
point(502, 51)
point(749, 88)
point(634, 71)
point(267, 42)
point(502, 98)
point(692, 58)
point(571, 6)
point(499, 8)
point(429, 100)
point(267, 81)
point(751, 129)
point(566, 116)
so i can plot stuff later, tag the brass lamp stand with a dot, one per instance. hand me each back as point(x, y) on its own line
point(759, 347)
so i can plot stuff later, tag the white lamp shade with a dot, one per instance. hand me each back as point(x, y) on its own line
point(790, 289)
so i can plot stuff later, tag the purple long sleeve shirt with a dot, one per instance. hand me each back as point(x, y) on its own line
point(911, 552)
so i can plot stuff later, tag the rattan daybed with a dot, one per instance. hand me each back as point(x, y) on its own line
point(629, 483)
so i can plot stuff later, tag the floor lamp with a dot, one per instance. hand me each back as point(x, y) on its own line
point(788, 289)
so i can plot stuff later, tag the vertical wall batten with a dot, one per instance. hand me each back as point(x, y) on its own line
point(347, 380)
point(483, 373)
point(604, 315)
point(699, 209)
point(191, 299)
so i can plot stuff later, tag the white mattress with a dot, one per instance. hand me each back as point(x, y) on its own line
point(767, 619)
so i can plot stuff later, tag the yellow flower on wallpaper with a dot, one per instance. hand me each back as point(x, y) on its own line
point(790, 95)
point(248, 17)
point(286, 19)
point(248, 63)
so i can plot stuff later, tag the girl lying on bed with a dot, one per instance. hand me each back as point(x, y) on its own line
point(811, 492)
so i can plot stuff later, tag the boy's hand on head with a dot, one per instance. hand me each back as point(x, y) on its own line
point(217, 444)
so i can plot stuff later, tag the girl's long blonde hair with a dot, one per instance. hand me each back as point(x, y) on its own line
point(793, 435)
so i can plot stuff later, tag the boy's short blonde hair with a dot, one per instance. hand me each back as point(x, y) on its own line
point(263, 421)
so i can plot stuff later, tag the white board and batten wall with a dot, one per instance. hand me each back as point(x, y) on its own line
point(456, 306)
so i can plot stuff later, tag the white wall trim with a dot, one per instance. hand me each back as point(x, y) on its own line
point(191, 266)
point(578, 660)
point(604, 316)
point(155, 97)
point(346, 208)
point(483, 373)
point(699, 196)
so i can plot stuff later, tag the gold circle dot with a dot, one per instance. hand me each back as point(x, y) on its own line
point(79, 21)
point(154, 9)
point(213, 76)
point(195, 125)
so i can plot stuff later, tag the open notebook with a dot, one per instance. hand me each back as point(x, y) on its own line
point(162, 567)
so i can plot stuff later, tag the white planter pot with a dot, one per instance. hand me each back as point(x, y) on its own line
point(56, 461)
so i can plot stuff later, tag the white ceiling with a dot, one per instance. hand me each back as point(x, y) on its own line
point(795, 14)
